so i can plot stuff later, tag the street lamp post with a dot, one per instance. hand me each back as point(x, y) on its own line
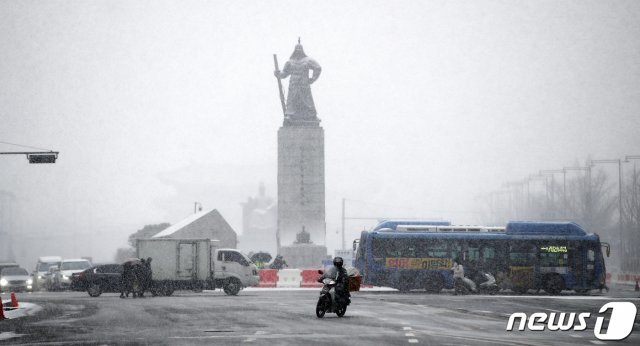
point(634, 201)
point(619, 162)
point(529, 179)
point(576, 168)
point(553, 186)
point(516, 196)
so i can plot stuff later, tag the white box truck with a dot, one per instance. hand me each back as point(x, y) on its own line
point(196, 264)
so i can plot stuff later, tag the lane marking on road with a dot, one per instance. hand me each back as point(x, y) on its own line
point(565, 297)
point(598, 342)
point(413, 341)
point(409, 334)
point(406, 328)
point(575, 335)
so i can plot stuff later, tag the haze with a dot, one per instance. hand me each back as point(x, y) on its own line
point(426, 105)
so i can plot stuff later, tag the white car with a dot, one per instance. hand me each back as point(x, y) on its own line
point(61, 279)
point(15, 279)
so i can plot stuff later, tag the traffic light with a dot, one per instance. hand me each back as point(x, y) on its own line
point(42, 158)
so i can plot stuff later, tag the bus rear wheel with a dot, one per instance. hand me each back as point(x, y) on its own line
point(520, 289)
point(435, 284)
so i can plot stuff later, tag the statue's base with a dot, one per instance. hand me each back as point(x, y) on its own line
point(304, 255)
point(311, 121)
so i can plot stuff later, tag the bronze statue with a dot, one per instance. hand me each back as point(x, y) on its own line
point(299, 105)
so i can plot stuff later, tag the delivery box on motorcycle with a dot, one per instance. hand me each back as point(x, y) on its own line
point(354, 279)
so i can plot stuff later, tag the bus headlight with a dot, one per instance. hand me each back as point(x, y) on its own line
point(30, 282)
point(4, 282)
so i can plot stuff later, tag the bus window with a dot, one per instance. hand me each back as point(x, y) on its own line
point(361, 247)
point(437, 249)
point(591, 261)
point(488, 253)
point(522, 254)
point(473, 251)
point(456, 250)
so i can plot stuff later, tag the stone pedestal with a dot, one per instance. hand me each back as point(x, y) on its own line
point(304, 255)
point(301, 190)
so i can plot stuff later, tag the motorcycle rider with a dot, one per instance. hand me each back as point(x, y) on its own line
point(339, 274)
point(458, 274)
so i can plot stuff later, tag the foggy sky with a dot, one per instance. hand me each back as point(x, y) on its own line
point(426, 105)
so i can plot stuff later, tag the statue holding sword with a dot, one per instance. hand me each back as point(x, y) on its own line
point(299, 104)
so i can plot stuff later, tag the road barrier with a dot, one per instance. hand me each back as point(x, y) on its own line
point(627, 278)
point(310, 278)
point(289, 278)
point(268, 277)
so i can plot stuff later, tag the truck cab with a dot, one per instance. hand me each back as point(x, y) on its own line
point(233, 270)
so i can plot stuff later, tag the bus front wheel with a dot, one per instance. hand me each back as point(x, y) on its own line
point(554, 284)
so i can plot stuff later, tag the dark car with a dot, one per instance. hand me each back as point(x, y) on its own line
point(100, 279)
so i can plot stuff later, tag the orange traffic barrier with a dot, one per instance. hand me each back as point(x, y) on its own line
point(14, 300)
point(1, 310)
point(310, 278)
point(268, 277)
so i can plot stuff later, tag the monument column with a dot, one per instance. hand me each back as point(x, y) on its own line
point(301, 187)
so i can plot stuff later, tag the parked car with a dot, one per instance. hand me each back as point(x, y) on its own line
point(15, 279)
point(42, 270)
point(61, 279)
point(100, 279)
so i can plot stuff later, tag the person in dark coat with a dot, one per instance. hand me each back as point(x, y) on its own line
point(144, 276)
point(278, 263)
point(126, 280)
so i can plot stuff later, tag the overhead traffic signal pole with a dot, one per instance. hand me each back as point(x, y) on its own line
point(36, 156)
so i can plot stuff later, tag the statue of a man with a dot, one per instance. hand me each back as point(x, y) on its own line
point(299, 100)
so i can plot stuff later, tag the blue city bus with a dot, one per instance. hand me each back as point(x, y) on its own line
point(552, 256)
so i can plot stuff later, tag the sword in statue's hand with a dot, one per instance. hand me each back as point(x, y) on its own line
point(277, 74)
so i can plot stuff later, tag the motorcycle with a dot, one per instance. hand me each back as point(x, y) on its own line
point(485, 283)
point(327, 301)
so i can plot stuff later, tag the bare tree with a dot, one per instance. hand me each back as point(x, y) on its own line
point(590, 202)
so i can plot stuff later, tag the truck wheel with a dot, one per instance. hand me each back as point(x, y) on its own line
point(94, 290)
point(232, 287)
point(198, 287)
point(154, 292)
point(167, 289)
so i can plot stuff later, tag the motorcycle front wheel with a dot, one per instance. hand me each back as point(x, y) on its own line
point(341, 310)
point(320, 309)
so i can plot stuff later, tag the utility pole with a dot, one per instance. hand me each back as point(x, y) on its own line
point(343, 241)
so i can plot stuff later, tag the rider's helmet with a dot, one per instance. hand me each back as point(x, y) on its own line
point(338, 262)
